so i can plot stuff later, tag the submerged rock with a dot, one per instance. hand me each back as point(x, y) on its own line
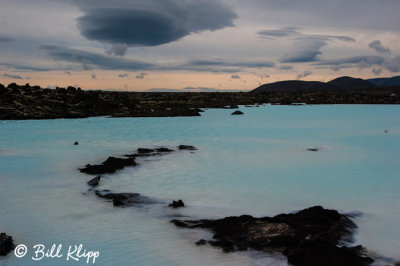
point(187, 147)
point(308, 237)
point(111, 165)
point(94, 182)
point(238, 112)
point(6, 244)
point(177, 204)
point(144, 151)
point(123, 199)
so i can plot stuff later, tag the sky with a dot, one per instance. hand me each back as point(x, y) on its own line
point(195, 45)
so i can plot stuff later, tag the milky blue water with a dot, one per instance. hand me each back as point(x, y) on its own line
point(254, 164)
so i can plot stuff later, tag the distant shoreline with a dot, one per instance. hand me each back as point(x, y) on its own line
point(33, 102)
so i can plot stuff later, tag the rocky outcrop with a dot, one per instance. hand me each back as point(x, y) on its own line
point(111, 165)
point(238, 112)
point(308, 237)
point(6, 244)
point(187, 147)
point(95, 181)
point(176, 204)
point(125, 199)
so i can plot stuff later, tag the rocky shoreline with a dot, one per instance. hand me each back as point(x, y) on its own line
point(33, 102)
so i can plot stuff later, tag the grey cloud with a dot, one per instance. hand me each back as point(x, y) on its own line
point(378, 47)
point(294, 32)
point(215, 63)
point(393, 64)
point(5, 39)
point(141, 75)
point(304, 74)
point(123, 75)
point(304, 51)
point(286, 67)
point(88, 59)
point(376, 71)
point(235, 77)
point(117, 49)
point(12, 76)
point(349, 14)
point(284, 32)
point(152, 22)
point(359, 60)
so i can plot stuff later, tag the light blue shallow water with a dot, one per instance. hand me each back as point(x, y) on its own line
point(256, 164)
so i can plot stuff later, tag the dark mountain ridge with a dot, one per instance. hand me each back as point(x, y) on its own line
point(341, 83)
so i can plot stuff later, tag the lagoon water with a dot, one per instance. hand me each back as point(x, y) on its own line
point(255, 164)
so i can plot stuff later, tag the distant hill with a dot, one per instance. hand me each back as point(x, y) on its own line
point(384, 82)
point(342, 83)
point(351, 83)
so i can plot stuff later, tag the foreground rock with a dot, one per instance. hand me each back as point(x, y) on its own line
point(6, 244)
point(308, 237)
point(111, 165)
point(95, 181)
point(176, 204)
point(237, 113)
point(125, 199)
point(187, 147)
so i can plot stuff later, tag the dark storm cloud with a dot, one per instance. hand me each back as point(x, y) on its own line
point(150, 23)
point(89, 60)
point(393, 64)
point(12, 76)
point(378, 47)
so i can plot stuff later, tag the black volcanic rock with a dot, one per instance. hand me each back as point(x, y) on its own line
point(177, 204)
point(76, 143)
point(144, 151)
point(111, 165)
point(95, 181)
point(125, 199)
point(238, 112)
point(187, 147)
point(350, 83)
point(6, 244)
point(308, 237)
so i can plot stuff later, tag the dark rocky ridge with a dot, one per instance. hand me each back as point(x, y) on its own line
point(33, 102)
point(308, 237)
point(6, 244)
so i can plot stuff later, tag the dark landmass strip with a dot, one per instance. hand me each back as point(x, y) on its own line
point(6, 244)
point(32, 102)
point(308, 237)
